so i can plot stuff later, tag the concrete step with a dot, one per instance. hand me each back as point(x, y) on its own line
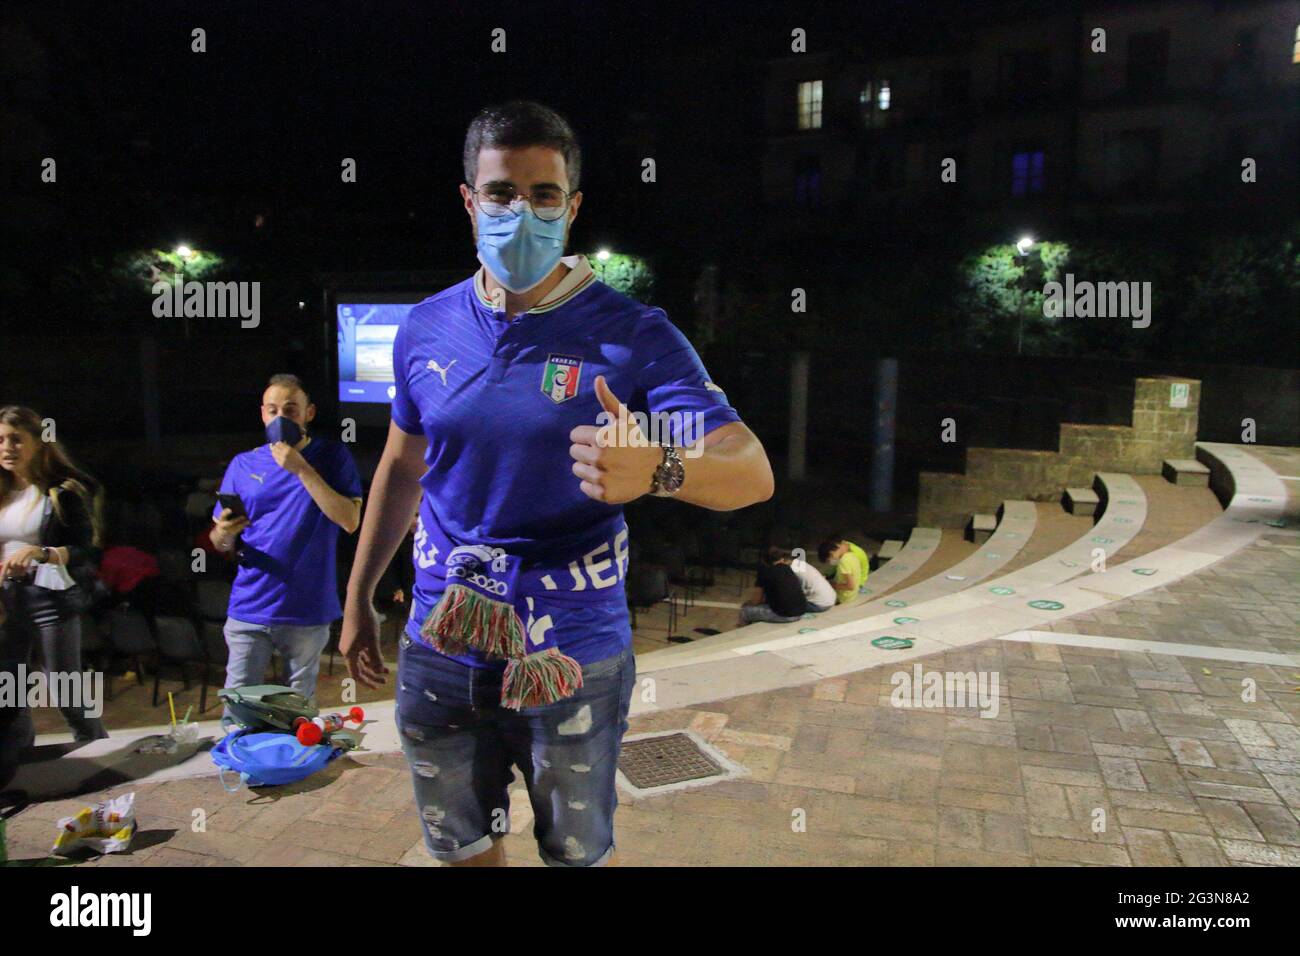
point(1081, 501)
point(981, 527)
point(1185, 471)
point(888, 550)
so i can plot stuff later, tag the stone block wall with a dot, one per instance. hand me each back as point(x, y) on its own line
point(1159, 431)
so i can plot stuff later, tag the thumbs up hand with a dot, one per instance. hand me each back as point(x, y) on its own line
point(614, 462)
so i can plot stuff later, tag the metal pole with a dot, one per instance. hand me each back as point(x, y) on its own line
point(882, 452)
point(149, 398)
point(796, 460)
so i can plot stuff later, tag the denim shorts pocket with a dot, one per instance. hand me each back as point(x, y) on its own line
point(432, 692)
point(599, 670)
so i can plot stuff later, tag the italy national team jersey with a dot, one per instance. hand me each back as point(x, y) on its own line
point(497, 399)
point(287, 572)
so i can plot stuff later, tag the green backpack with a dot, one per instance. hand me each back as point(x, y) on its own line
point(267, 706)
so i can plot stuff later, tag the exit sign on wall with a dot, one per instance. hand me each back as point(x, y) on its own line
point(1178, 392)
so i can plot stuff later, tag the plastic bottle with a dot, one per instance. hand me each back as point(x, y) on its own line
point(311, 732)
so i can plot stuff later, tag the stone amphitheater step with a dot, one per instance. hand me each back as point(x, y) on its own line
point(1015, 529)
point(1185, 471)
point(1081, 501)
point(1255, 496)
point(889, 550)
point(981, 527)
point(1124, 515)
point(921, 544)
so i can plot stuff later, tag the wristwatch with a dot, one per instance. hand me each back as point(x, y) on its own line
point(45, 556)
point(668, 477)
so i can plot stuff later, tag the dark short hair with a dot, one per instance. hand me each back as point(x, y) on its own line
point(289, 381)
point(517, 124)
point(774, 554)
point(826, 547)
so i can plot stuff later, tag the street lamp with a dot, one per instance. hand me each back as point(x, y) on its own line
point(184, 251)
point(602, 256)
point(1023, 247)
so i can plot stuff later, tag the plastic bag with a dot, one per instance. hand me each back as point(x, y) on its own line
point(105, 828)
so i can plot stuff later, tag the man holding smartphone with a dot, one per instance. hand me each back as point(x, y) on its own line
point(294, 493)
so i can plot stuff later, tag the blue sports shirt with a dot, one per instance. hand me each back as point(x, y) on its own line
point(287, 572)
point(496, 401)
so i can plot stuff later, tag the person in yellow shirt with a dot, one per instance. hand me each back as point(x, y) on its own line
point(851, 566)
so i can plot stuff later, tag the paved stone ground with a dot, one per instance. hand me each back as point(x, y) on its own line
point(1249, 600)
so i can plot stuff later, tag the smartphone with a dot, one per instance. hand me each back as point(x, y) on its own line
point(234, 503)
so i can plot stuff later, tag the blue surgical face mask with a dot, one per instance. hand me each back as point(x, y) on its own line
point(520, 249)
point(283, 429)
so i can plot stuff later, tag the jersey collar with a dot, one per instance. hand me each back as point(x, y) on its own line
point(580, 277)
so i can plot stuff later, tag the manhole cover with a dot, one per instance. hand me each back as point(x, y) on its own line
point(662, 761)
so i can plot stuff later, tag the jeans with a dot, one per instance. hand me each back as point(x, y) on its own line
point(461, 745)
point(251, 646)
point(752, 613)
point(39, 614)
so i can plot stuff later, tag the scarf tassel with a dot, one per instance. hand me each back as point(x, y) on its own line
point(466, 619)
point(539, 679)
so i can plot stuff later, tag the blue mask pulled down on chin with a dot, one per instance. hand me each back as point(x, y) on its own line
point(283, 429)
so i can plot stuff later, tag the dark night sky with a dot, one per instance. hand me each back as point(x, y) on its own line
point(286, 90)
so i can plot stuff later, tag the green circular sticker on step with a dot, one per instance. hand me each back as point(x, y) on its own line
point(1147, 571)
point(1010, 534)
point(806, 630)
point(1122, 520)
point(891, 643)
point(992, 554)
point(1002, 590)
point(895, 603)
point(1101, 540)
point(1047, 605)
point(1126, 501)
point(1070, 564)
point(1276, 523)
point(907, 620)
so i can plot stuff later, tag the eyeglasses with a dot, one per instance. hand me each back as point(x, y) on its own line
point(547, 202)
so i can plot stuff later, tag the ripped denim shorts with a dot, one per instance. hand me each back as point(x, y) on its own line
point(462, 746)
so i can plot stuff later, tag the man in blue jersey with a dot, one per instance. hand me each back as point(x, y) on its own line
point(297, 491)
point(513, 432)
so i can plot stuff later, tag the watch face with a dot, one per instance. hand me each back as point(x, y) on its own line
point(671, 473)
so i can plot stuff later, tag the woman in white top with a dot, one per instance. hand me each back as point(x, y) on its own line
point(49, 537)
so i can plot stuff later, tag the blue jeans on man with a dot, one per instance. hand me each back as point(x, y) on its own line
point(251, 647)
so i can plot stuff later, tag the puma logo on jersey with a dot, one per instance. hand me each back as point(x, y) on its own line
point(433, 366)
point(261, 479)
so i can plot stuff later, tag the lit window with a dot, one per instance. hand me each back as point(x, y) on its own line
point(882, 100)
point(1027, 173)
point(810, 105)
point(867, 94)
point(1295, 51)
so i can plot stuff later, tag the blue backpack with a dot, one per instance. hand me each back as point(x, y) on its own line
point(268, 759)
